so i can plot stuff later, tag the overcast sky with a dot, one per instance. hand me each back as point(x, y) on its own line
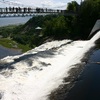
point(61, 4)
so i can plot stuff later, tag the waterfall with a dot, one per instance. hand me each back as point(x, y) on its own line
point(36, 73)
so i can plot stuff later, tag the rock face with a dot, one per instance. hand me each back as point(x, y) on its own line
point(95, 29)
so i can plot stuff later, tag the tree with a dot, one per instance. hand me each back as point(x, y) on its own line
point(56, 28)
point(89, 13)
point(73, 6)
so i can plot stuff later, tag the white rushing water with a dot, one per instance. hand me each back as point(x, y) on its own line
point(36, 73)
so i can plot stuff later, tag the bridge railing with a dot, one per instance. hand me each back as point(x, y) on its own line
point(17, 11)
point(27, 10)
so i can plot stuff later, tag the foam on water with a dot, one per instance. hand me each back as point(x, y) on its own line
point(36, 73)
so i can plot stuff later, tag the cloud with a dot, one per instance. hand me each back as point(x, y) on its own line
point(55, 4)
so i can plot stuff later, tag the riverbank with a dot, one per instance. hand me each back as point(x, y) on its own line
point(11, 44)
point(8, 26)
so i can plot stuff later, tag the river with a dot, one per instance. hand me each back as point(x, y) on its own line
point(13, 20)
point(8, 52)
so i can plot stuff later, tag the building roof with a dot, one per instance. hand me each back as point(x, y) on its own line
point(38, 28)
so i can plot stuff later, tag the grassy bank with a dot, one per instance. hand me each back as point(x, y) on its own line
point(9, 43)
point(7, 40)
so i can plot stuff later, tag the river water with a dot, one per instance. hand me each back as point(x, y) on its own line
point(8, 52)
point(13, 20)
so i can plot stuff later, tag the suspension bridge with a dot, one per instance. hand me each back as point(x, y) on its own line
point(17, 9)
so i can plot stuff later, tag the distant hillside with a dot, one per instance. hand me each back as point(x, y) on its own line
point(28, 34)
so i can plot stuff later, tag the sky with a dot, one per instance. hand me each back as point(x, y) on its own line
point(56, 4)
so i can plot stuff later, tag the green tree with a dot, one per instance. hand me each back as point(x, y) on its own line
point(73, 6)
point(56, 28)
point(89, 13)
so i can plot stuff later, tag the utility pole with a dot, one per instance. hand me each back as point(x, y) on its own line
point(81, 1)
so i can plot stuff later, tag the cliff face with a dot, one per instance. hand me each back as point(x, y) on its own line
point(95, 29)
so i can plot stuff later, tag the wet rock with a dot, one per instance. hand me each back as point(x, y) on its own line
point(1, 95)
